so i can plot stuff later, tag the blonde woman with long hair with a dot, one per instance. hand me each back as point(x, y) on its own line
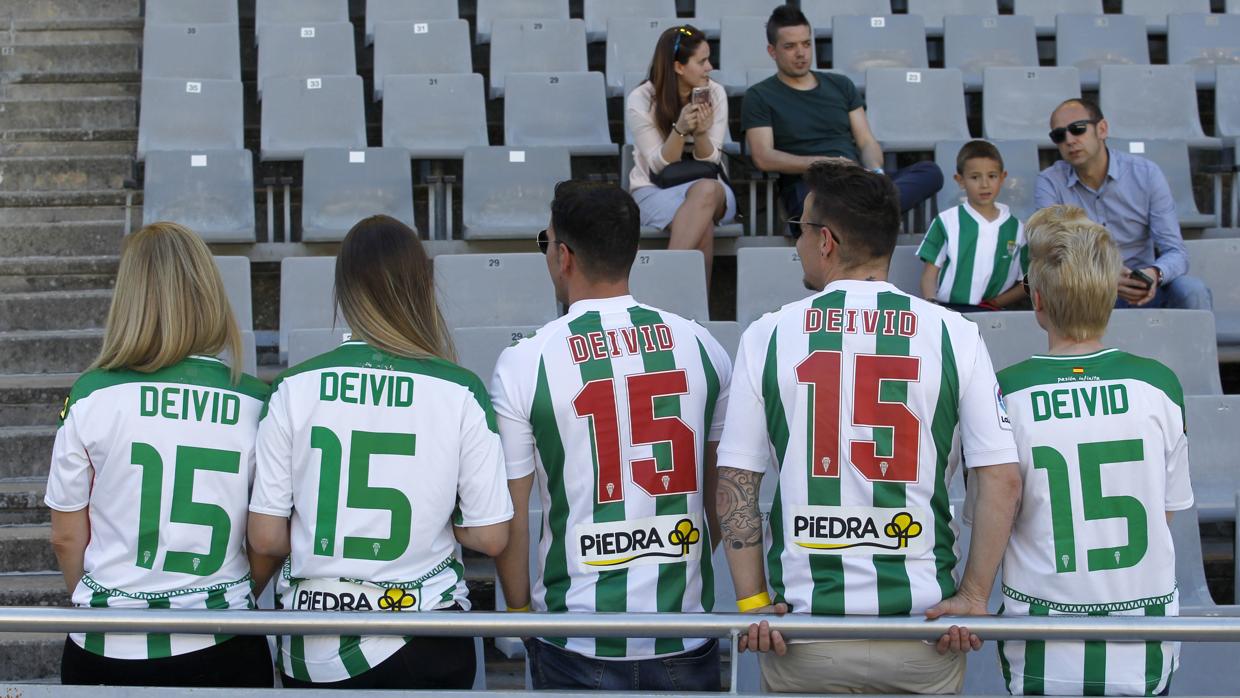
point(151, 471)
point(376, 462)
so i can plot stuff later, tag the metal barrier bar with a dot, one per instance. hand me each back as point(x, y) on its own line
point(487, 624)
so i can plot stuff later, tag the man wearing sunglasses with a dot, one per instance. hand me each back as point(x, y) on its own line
point(1129, 196)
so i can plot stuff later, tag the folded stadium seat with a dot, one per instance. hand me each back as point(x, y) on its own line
point(822, 13)
point(727, 333)
point(312, 112)
point(1044, 11)
point(767, 279)
point(864, 42)
point(1172, 159)
point(507, 190)
point(1017, 102)
point(1215, 262)
point(421, 48)
point(1155, 12)
point(196, 51)
point(933, 11)
point(210, 192)
point(1020, 158)
point(249, 353)
point(708, 14)
point(235, 272)
point(341, 187)
point(973, 44)
point(1203, 41)
point(383, 11)
point(306, 297)
point(728, 230)
point(191, 12)
point(179, 114)
point(1214, 422)
point(536, 46)
point(671, 280)
point(488, 11)
point(300, 50)
point(304, 12)
point(599, 13)
point(1227, 122)
point(307, 344)
point(434, 116)
point(489, 290)
point(1206, 668)
point(1156, 101)
point(905, 270)
point(742, 46)
point(630, 45)
point(558, 109)
point(1088, 43)
point(1233, 7)
point(478, 348)
point(912, 110)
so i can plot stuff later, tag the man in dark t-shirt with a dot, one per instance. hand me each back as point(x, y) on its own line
point(800, 116)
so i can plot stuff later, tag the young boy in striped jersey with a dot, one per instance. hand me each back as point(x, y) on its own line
point(615, 408)
point(974, 252)
point(1103, 452)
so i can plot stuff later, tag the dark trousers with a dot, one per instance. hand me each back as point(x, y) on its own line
point(242, 662)
point(555, 668)
point(446, 663)
point(915, 183)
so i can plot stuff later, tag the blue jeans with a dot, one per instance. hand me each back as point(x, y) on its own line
point(554, 668)
point(1183, 293)
point(915, 183)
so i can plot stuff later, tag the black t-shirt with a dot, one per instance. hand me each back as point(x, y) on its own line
point(805, 122)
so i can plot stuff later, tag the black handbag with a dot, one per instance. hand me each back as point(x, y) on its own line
point(688, 170)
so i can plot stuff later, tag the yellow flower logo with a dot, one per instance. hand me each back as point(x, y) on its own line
point(684, 535)
point(902, 528)
point(396, 600)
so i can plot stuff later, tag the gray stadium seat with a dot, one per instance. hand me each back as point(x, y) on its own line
point(905, 270)
point(1215, 262)
point(1087, 44)
point(1172, 159)
point(728, 230)
point(235, 272)
point(421, 48)
point(179, 114)
point(478, 348)
point(1227, 104)
point(1203, 41)
point(312, 112)
point(598, 14)
point(383, 11)
point(536, 46)
point(198, 51)
point(1155, 11)
point(1044, 11)
point(708, 14)
point(864, 42)
point(1206, 668)
point(914, 109)
point(630, 45)
point(306, 302)
point(973, 44)
point(672, 280)
point(1020, 158)
point(933, 11)
point(1013, 336)
point(304, 12)
point(1158, 101)
point(211, 192)
point(296, 50)
point(767, 278)
point(249, 353)
point(341, 187)
point(821, 13)
point(508, 191)
point(491, 10)
point(1233, 7)
point(487, 290)
point(191, 12)
point(1017, 102)
point(307, 344)
point(434, 116)
point(726, 332)
point(742, 46)
point(558, 109)
point(1214, 451)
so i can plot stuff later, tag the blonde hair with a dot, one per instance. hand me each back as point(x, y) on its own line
point(1059, 213)
point(386, 291)
point(169, 303)
point(1074, 265)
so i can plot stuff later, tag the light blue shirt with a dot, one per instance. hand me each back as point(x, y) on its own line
point(1134, 204)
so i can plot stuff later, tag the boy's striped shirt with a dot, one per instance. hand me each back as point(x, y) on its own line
point(977, 259)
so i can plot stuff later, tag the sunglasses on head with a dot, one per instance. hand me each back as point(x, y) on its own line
point(1076, 128)
point(680, 31)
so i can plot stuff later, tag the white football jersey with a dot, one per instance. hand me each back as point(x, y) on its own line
point(165, 461)
point(374, 458)
point(1104, 454)
point(861, 400)
point(612, 406)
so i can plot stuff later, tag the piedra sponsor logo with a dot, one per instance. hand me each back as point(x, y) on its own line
point(860, 530)
point(650, 541)
point(314, 597)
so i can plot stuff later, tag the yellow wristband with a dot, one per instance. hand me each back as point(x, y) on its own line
point(519, 609)
point(756, 601)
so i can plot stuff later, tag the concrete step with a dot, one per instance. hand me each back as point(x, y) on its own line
point(26, 452)
point(30, 657)
point(63, 173)
point(54, 310)
point(21, 502)
point(33, 589)
point(76, 35)
point(47, 352)
point(96, 197)
point(52, 11)
point(54, 239)
point(87, 113)
point(97, 62)
point(113, 215)
point(27, 548)
point(69, 90)
point(33, 400)
point(28, 274)
point(62, 148)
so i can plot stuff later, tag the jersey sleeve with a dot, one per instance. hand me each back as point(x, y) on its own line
point(745, 444)
point(722, 364)
point(933, 248)
point(481, 489)
point(985, 430)
point(512, 414)
point(1179, 495)
point(272, 492)
point(755, 112)
point(69, 478)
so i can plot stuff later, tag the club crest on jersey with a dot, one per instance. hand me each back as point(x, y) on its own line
point(861, 531)
point(650, 541)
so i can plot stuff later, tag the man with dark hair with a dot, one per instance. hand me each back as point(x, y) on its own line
point(1129, 196)
point(861, 400)
point(618, 407)
point(800, 116)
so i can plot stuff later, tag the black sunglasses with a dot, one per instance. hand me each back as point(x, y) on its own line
point(794, 228)
point(1076, 128)
point(544, 242)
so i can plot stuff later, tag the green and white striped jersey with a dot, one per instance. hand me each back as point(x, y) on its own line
point(374, 458)
point(863, 399)
point(165, 461)
point(977, 259)
point(612, 406)
point(1104, 454)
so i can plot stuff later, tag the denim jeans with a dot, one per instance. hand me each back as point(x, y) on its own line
point(1183, 293)
point(915, 183)
point(555, 668)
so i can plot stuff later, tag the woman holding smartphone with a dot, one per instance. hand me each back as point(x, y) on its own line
point(678, 116)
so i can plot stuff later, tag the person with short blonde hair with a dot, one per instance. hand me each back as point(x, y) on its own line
point(151, 471)
point(1056, 213)
point(1073, 263)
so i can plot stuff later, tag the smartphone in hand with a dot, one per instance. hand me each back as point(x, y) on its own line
point(1142, 277)
point(700, 95)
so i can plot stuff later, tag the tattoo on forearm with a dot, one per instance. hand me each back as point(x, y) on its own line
point(739, 518)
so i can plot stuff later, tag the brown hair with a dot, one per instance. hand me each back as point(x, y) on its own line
point(977, 150)
point(676, 45)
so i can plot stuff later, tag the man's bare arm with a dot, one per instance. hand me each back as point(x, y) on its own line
point(740, 521)
point(761, 142)
point(867, 145)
